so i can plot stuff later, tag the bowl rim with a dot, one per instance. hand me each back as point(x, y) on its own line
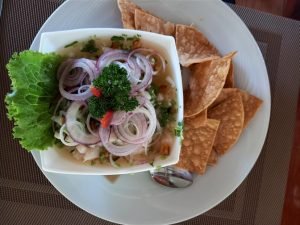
point(170, 51)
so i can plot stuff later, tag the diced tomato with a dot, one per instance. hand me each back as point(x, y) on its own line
point(96, 91)
point(106, 119)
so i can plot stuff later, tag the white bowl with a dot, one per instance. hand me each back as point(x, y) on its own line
point(53, 159)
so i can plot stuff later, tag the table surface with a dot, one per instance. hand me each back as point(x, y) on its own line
point(291, 209)
point(19, 189)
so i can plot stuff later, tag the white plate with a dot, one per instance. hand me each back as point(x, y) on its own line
point(135, 199)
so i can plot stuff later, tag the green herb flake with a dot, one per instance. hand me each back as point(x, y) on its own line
point(117, 38)
point(71, 44)
point(164, 112)
point(102, 156)
point(179, 130)
point(124, 42)
point(153, 91)
point(158, 167)
point(90, 47)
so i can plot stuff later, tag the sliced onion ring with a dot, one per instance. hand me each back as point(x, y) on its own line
point(115, 149)
point(77, 129)
point(88, 66)
point(148, 73)
point(145, 122)
point(118, 117)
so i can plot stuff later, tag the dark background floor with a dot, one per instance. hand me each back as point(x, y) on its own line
point(287, 8)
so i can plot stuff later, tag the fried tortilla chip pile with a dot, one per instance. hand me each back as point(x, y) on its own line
point(215, 112)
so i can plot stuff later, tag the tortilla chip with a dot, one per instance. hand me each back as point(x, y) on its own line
point(229, 83)
point(197, 121)
point(251, 105)
point(206, 83)
point(225, 94)
point(147, 22)
point(197, 146)
point(230, 113)
point(193, 46)
point(213, 158)
point(127, 9)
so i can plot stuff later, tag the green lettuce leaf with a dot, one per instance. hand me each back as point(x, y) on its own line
point(30, 104)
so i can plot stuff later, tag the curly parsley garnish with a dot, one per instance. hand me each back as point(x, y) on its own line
point(115, 89)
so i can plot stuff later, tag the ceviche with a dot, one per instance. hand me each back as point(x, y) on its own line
point(116, 103)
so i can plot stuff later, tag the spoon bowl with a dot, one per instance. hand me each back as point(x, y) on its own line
point(171, 176)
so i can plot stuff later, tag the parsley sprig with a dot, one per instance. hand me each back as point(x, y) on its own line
point(115, 89)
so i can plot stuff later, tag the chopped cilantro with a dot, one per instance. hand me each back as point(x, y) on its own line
point(164, 111)
point(90, 47)
point(71, 44)
point(153, 91)
point(117, 38)
point(179, 130)
point(102, 156)
point(124, 42)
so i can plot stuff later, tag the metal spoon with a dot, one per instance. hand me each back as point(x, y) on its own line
point(172, 177)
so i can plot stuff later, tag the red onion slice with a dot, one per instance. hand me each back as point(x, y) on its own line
point(116, 149)
point(77, 129)
point(88, 125)
point(152, 53)
point(110, 56)
point(63, 131)
point(136, 72)
point(80, 66)
point(143, 120)
point(162, 65)
point(112, 162)
point(148, 72)
point(86, 65)
point(118, 117)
